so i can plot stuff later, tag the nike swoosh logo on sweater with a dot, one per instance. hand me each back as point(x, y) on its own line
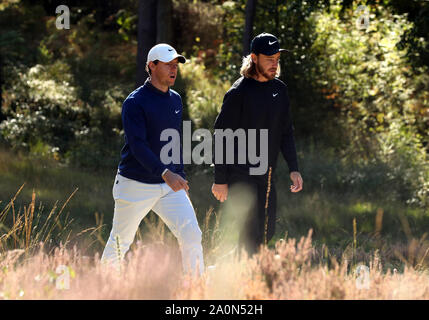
point(177, 111)
point(275, 94)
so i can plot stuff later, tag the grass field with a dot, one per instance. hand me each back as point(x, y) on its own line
point(357, 216)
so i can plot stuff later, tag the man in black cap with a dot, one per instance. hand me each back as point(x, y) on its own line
point(258, 100)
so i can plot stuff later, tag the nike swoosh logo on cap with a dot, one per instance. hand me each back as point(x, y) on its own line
point(177, 111)
point(270, 43)
point(275, 94)
point(170, 49)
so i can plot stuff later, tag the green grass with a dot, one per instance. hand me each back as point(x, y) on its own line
point(53, 182)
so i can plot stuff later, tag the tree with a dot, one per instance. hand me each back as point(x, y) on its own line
point(154, 26)
point(163, 21)
point(1, 85)
point(146, 36)
point(10, 52)
point(248, 29)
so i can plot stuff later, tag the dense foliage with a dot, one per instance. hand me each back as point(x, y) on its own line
point(362, 93)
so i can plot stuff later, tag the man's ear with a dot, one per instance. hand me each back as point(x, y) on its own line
point(254, 57)
point(152, 66)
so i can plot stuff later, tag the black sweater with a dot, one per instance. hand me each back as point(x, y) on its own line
point(251, 104)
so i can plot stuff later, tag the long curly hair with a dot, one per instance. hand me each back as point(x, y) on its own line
point(248, 68)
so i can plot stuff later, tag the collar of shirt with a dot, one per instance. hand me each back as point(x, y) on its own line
point(150, 86)
point(262, 83)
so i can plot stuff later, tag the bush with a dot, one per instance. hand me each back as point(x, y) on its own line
point(46, 118)
point(402, 150)
point(383, 102)
point(204, 93)
point(200, 27)
point(97, 144)
point(42, 109)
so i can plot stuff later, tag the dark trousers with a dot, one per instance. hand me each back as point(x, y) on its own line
point(258, 222)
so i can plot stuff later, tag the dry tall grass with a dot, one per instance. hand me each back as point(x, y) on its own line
point(31, 267)
point(154, 272)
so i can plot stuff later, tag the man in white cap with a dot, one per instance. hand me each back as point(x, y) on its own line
point(143, 181)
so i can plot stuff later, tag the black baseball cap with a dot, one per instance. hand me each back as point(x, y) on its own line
point(266, 43)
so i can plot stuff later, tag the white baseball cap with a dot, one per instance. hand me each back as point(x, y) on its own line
point(165, 53)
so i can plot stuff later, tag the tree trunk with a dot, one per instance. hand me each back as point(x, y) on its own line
point(2, 117)
point(277, 18)
point(146, 36)
point(248, 29)
point(163, 21)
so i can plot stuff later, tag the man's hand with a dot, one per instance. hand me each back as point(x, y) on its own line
point(220, 191)
point(175, 181)
point(296, 178)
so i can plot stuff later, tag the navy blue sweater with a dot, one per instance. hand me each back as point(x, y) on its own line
point(146, 112)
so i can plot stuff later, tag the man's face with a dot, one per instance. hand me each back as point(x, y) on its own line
point(165, 72)
point(267, 65)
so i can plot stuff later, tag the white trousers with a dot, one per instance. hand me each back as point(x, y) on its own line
point(134, 200)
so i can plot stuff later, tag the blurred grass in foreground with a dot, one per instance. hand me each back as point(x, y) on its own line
point(288, 271)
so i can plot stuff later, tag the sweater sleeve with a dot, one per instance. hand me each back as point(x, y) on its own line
point(134, 124)
point(228, 118)
point(287, 144)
